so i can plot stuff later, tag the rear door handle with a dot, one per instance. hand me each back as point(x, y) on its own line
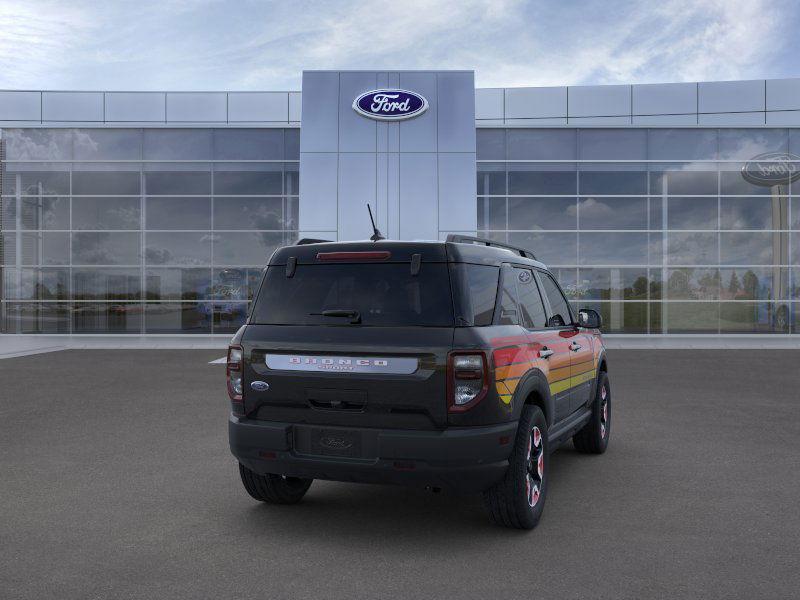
point(575, 346)
point(545, 352)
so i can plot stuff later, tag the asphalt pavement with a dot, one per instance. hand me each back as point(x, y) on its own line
point(116, 482)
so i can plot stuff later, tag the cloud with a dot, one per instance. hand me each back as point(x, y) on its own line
point(34, 36)
point(205, 44)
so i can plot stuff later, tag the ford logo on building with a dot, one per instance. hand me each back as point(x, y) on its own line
point(772, 168)
point(390, 105)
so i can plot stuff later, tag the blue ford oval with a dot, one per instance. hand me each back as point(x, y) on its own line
point(390, 104)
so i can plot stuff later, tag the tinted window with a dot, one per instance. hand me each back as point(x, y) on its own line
point(105, 213)
point(383, 294)
point(42, 212)
point(508, 299)
point(541, 144)
point(178, 213)
point(178, 182)
point(248, 144)
point(530, 302)
point(475, 290)
point(119, 183)
point(491, 144)
point(559, 309)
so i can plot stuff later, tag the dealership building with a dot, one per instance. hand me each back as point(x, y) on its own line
point(672, 209)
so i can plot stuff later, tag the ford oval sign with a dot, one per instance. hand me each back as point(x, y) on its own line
point(390, 105)
point(772, 168)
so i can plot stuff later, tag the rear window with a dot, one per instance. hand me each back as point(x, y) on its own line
point(382, 294)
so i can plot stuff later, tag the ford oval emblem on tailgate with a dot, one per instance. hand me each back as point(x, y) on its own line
point(335, 443)
point(260, 386)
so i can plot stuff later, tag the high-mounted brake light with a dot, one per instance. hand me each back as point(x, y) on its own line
point(233, 371)
point(369, 255)
point(467, 379)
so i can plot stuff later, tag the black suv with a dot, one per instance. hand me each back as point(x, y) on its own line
point(456, 364)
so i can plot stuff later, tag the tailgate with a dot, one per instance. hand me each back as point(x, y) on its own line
point(385, 377)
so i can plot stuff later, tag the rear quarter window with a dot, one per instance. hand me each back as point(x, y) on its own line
point(474, 292)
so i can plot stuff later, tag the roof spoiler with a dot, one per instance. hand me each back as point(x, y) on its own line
point(467, 239)
point(305, 241)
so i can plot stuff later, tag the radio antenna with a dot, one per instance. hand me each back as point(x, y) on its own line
point(376, 235)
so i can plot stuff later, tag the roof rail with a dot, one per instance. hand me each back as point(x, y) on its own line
point(305, 241)
point(467, 239)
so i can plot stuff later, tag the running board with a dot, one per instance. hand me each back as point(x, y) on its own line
point(568, 427)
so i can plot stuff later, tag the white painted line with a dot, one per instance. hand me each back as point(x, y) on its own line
point(219, 361)
point(32, 351)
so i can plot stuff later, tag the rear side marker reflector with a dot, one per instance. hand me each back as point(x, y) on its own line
point(264, 454)
point(371, 255)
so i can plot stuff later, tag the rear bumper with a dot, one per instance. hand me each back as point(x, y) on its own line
point(464, 459)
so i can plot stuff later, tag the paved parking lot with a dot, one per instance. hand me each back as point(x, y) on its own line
point(116, 482)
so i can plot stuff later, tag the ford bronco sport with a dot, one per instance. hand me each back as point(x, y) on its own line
point(456, 364)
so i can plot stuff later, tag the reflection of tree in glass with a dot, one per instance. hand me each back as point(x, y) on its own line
point(709, 282)
point(750, 285)
point(678, 283)
point(734, 286)
point(639, 288)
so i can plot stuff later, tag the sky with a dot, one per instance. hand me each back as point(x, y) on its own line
point(264, 45)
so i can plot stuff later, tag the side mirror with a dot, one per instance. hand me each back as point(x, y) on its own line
point(590, 319)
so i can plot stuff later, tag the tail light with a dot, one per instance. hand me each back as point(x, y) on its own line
point(233, 372)
point(467, 379)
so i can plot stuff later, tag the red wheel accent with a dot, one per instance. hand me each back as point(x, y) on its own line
point(603, 411)
point(535, 467)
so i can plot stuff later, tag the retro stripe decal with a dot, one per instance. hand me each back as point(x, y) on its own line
point(516, 355)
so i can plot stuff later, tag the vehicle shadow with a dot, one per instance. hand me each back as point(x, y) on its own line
point(360, 512)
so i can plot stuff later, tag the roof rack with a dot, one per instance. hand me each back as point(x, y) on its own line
point(305, 241)
point(468, 239)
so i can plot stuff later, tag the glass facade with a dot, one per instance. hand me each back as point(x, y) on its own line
point(657, 229)
point(159, 230)
point(141, 230)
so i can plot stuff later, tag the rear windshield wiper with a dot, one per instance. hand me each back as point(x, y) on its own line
point(353, 315)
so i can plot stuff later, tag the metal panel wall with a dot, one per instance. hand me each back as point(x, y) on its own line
point(20, 106)
point(418, 174)
point(136, 107)
point(72, 106)
point(257, 106)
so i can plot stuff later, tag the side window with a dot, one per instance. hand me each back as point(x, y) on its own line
point(559, 308)
point(530, 301)
point(508, 299)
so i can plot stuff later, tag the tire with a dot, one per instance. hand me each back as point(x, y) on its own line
point(274, 489)
point(593, 437)
point(518, 500)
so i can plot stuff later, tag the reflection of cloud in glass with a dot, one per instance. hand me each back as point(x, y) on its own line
point(92, 249)
point(103, 248)
point(37, 144)
point(744, 144)
point(749, 248)
point(591, 208)
point(83, 143)
point(188, 249)
point(692, 248)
